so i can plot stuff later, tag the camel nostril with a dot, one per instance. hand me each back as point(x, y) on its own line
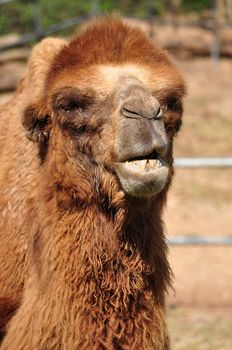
point(130, 113)
point(141, 111)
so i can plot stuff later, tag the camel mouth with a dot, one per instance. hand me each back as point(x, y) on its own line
point(143, 176)
point(144, 165)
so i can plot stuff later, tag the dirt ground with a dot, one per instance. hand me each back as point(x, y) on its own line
point(200, 203)
point(200, 329)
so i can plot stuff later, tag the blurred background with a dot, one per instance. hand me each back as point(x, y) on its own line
point(198, 36)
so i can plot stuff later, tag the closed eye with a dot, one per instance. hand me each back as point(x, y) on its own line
point(71, 105)
point(71, 100)
point(173, 104)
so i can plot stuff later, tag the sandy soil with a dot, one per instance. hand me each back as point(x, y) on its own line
point(200, 329)
point(200, 201)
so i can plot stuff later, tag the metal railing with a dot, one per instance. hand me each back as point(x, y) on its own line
point(198, 240)
point(5, 1)
point(211, 162)
point(40, 32)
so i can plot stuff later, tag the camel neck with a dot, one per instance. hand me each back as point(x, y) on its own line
point(107, 276)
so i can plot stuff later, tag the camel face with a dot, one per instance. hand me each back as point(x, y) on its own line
point(110, 112)
point(123, 106)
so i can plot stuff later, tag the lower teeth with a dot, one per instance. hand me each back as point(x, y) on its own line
point(146, 164)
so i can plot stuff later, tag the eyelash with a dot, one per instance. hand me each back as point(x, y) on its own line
point(171, 104)
point(72, 107)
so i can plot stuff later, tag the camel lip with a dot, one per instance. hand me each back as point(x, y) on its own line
point(142, 178)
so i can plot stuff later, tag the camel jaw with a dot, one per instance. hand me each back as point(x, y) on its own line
point(142, 178)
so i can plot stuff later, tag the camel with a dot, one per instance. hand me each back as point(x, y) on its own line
point(86, 149)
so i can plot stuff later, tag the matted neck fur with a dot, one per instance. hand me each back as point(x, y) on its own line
point(102, 118)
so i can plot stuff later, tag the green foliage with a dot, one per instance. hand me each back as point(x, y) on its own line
point(199, 5)
point(18, 15)
point(136, 8)
point(55, 11)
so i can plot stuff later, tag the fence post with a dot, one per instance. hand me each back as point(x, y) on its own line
point(215, 49)
point(37, 18)
point(150, 17)
point(94, 7)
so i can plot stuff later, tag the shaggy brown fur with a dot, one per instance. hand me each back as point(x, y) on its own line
point(86, 262)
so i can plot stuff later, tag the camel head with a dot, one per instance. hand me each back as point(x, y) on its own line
point(111, 106)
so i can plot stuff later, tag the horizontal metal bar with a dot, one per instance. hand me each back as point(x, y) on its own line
point(44, 32)
point(73, 21)
point(66, 24)
point(203, 162)
point(5, 1)
point(195, 240)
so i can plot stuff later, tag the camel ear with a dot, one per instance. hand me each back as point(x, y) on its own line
point(37, 124)
point(36, 120)
point(39, 64)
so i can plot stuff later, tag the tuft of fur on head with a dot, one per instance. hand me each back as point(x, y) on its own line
point(109, 41)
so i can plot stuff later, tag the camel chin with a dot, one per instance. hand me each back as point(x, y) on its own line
point(143, 178)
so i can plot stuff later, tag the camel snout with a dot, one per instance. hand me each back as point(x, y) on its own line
point(139, 107)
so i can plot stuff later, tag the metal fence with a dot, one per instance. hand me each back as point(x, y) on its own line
point(223, 162)
point(196, 240)
point(40, 31)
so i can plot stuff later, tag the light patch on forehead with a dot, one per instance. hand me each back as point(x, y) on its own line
point(111, 74)
point(161, 78)
point(104, 78)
